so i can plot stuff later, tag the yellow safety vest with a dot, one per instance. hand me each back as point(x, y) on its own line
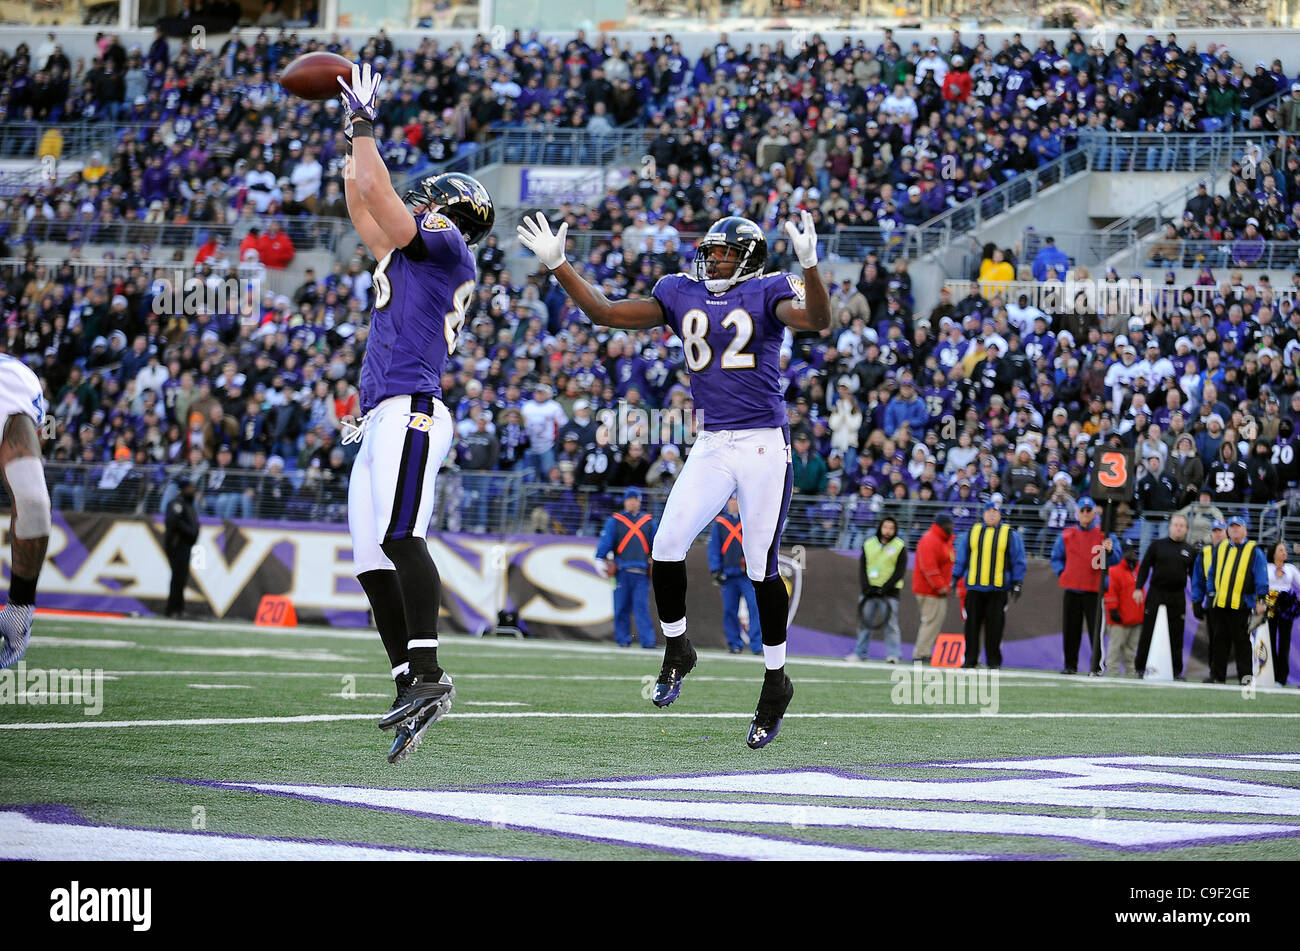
point(1232, 567)
point(988, 556)
point(881, 559)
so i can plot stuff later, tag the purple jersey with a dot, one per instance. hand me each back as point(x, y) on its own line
point(732, 344)
point(417, 314)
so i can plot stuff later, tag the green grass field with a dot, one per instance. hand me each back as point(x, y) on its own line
point(262, 743)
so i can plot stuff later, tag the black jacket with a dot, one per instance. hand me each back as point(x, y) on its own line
point(182, 525)
point(1158, 493)
point(1168, 564)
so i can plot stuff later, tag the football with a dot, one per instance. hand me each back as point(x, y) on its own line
point(316, 75)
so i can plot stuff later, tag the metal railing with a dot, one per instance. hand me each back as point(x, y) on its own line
point(543, 145)
point(1235, 252)
point(1166, 152)
point(23, 140)
point(307, 234)
point(940, 231)
point(507, 502)
point(1086, 296)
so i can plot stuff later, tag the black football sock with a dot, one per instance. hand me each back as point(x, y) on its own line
point(22, 591)
point(385, 594)
point(773, 611)
point(669, 579)
point(421, 596)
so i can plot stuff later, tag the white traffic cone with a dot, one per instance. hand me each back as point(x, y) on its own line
point(1160, 665)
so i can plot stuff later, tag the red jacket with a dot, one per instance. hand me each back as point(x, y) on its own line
point(932, 574)
point(1079, 574)
point(1119, 596)
point(956, 86)
point(275, 250)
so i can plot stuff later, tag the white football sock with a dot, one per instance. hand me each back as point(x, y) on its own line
point(673, 628)
point(774, 656)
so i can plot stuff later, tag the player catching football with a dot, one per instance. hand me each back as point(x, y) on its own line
point(422, 284)
point(731, 319)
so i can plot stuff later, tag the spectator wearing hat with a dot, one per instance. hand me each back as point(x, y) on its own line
point(727, 565)
point(1124, 609)
point(1080, 572)
point(624, 553)
point(1200, 568)
point(1167, 564)
point(180, 532)
point(1156, 492)
point(990, 558)
point(1232, 585)
point(809, 467)
point(543, 418)
point(931, 579)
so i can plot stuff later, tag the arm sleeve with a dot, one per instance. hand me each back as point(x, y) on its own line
point(960, 551)
point(862, 570)
point(606, 540)
point(663, 293)
point(1058, 554)
point(715, 549)
point(1018, 564)
point(779, 287)
point(1261, 573)
point(1144, 568)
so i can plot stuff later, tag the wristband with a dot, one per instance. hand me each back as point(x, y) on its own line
point(363, 128)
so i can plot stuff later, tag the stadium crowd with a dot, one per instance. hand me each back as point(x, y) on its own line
point(886, 136)
point(978, 397)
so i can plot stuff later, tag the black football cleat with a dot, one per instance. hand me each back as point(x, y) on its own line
point(772, 703)
point(403, 684)
point(424, 706)
point(421, 693)
point(676, 666)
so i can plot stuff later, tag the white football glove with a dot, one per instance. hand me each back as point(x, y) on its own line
point(535, 234)
point(359, 97)
point(804, 242)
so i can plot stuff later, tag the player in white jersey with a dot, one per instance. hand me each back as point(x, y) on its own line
point(22, 407)
point(731, 319)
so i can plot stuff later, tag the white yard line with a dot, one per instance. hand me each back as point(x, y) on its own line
point(220, 686)
point(561, 648)
point(666, 717)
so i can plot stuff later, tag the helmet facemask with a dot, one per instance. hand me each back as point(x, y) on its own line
point(707, 266)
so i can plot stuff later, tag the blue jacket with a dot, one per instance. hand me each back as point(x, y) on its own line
point(629, 538)
point(1016, 565)
point(1256, 585)
point(914, 414)
point(727, 531)
point(1049, 255)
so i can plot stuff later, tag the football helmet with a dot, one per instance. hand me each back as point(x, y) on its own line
point(743, 237)
point(461, 198)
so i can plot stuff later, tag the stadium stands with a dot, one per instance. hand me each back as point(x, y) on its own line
point(174, 173)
